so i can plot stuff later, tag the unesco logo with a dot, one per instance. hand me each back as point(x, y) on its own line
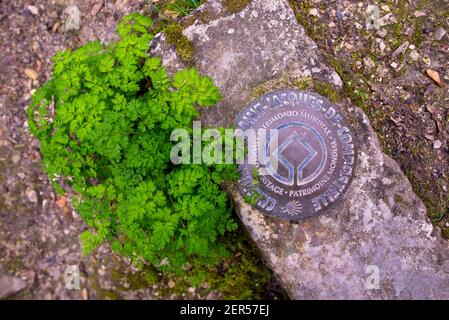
point(302, 154)
point(312, 162)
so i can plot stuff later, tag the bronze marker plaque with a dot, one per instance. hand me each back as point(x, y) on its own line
point(312, 163)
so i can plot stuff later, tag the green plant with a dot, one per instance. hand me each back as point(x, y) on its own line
point(183, 46)
point(104, 121)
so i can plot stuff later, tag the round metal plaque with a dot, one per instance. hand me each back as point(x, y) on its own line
point(303, 157)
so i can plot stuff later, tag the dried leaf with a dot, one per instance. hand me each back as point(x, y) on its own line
point(31, 73)
point(435, 76)
point(85, 294)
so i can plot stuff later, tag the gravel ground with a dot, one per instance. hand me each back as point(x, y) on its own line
point(39, 234)
point(397, 71)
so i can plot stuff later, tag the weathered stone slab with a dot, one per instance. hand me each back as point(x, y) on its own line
point(380, 225)
point(243, 50)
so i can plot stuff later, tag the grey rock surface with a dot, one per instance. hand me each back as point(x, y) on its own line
point(379, 231)
point(243, 50)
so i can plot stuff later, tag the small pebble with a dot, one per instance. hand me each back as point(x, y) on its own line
point(33, 9)
point(31, 195)
point(382, 33)
point(414, 55)
point(405, 96)
point(418, 14)
point(439, 34)
point(358, 25)
point(369, 64)
point(31, 73)
point(437, 144)
point(339, 16)
point(400, 50)
point(15, 158)
point(314, 12)
point(85, 294)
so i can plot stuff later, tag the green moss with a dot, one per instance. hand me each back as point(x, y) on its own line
point(446, 232)
point(356, 56)
point(15, 265)
point(437, 209)
point(244, 274)
point(304, 83)
point(142, 279)
point(252, 199)
point(184, 48)
point(241, 275)
point(319, 32)
point(404, 15)
point(183, 7)
point(99, 292)
point(234, 6)
point(2, 169)
point(187, 21)
point(417, 37)
point(205, 16)
point(256, 176)
point(354, 90)
point(325, 89)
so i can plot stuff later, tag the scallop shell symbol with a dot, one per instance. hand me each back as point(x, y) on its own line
point(293, 208)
